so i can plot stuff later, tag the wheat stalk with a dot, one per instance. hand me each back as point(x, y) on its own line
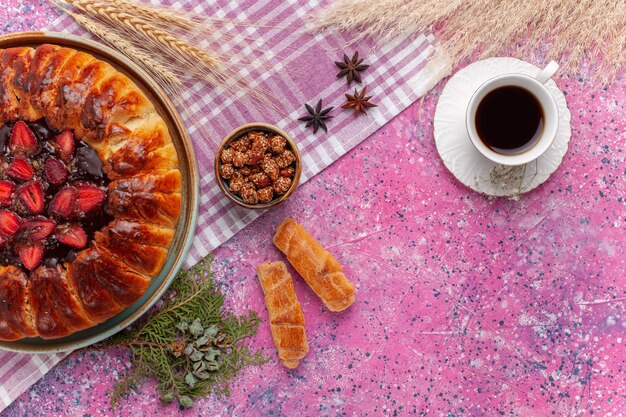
point(157, 14)
point(183, 19)
point(154, 67)
point(166, 44)
point(179, 22)
point(124, 19)
point(571, 31)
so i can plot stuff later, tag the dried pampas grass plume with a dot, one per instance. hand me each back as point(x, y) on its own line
point(571, 30)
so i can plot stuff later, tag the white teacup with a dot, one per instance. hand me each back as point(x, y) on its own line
point(535, 86)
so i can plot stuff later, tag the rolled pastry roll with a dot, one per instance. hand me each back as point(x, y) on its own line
point(286, 317)
point(316, 265)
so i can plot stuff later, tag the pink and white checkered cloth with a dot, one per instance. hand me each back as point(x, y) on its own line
point(298, 68)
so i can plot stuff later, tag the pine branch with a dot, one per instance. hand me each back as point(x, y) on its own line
point(192, 346)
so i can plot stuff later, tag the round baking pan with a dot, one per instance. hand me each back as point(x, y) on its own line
point(190, 192)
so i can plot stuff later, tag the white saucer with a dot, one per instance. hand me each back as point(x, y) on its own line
point(461, 157)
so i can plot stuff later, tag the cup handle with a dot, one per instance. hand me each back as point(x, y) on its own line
point(547, 72)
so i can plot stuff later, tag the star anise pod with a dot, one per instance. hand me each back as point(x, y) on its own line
point(351, 68)
point(317, 118)
point(359, 102)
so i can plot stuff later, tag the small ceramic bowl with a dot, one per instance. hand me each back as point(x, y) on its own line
point(236, 134)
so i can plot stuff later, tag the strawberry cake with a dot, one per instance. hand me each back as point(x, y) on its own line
point(90, 192)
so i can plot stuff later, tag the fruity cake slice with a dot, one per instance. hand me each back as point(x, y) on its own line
point(90, 192)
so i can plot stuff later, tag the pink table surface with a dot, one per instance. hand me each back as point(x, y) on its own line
point(466, 306)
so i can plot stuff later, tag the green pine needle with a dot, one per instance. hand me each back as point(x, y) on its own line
point(199, 359)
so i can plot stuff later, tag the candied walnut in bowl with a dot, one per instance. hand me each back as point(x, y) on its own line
point(258, 166)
